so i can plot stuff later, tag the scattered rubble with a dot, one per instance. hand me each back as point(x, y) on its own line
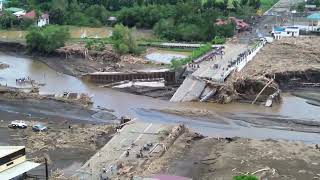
point(65, 136)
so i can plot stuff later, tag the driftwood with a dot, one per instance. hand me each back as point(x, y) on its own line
point(261, 170)
point(262, 91)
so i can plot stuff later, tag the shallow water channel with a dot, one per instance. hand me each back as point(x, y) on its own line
point(163, 56)
point(140, 106)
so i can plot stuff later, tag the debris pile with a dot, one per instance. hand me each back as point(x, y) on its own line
point(129, 59)
point(69, 137)
point(79, 49)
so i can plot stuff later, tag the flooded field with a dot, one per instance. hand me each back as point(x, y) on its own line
point(139, 106)
point(75, 32)
point(165, 56)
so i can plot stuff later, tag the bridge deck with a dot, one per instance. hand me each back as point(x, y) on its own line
point(192, 86)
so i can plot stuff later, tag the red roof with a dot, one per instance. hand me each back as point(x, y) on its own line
point(31, 14)
point(221, 22)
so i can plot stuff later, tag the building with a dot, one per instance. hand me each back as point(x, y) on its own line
point(13, 162)
point(240, 24)
point(43, 20)
point(280, 32)
point(18, 12)
point(31, 14)
point(314, 21)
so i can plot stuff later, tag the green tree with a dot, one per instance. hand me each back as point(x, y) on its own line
point(25, 23)
point(123, 40)
point(47, 39)
point(57, 16)
point(8, 20)
point(98, 12)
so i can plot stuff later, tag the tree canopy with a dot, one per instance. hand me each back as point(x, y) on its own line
point(47, 39)
point(180, 20)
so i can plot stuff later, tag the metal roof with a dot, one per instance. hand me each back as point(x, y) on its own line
point(315, 16)
point(18, 170)
point(5, 150)
point(14, 9)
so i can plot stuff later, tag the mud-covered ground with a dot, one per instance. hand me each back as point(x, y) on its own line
point(292, 62)
point(75, 132)
point(65, 148)
point(220, 158)
point(286, 55)
point(285, 64)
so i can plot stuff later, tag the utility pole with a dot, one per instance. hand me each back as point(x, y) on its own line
point(47, 172)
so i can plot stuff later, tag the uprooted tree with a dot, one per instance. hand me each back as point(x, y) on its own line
point(47, 39)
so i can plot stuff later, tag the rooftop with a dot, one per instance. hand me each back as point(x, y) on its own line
point(14, 9)
point(18, 170)
point(314, 16)
point(5, 150)
point(30, 14)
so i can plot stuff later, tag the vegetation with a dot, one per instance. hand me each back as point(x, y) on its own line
point(314, 2)
point(219, 40)
point(267, 4)
point(95, 44)
point(178, 63)
point(180, 20)
point(245, 177)
point(123, 40)
point(8, 20)
point(47, 39)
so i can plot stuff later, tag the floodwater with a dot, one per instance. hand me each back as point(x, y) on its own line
point(139, 106)
point(166, 56)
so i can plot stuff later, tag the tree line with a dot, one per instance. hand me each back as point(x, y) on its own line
point(178, 20)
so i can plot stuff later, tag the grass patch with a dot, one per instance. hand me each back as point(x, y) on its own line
point(245, 177)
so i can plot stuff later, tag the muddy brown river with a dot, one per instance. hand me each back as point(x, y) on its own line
point(139, 106)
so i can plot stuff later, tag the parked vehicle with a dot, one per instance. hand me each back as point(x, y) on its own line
point(39, 128)
point(18, 124)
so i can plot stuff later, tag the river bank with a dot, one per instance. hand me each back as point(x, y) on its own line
point(74, 59)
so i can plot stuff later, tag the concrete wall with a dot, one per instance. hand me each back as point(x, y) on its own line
point(243, 63)
point(105, 78)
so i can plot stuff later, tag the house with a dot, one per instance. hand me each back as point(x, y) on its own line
point(240, 24)
point(314, 21)
point(43, 20)
point(279, 32)
point(31, 14)
point(13, 162)
point(112, 20)
point(18, 12)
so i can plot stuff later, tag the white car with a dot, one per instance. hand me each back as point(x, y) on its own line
point(18, 124)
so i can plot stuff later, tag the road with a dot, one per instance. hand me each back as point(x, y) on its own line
point(133, 136)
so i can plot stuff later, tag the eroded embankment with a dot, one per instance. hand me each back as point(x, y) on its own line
point(75, 59)
point(285, 64)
